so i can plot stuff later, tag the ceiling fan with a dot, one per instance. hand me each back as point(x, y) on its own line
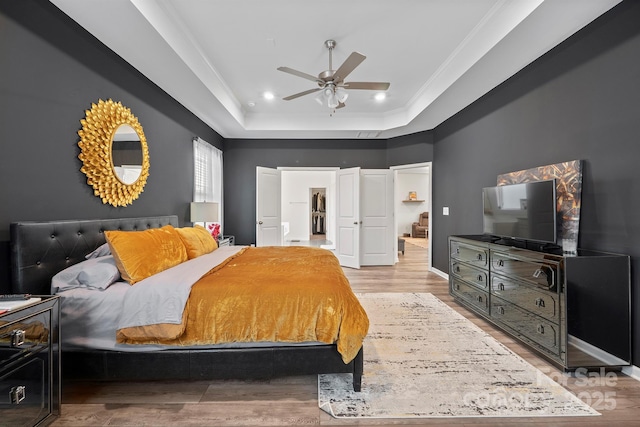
point(331, 82)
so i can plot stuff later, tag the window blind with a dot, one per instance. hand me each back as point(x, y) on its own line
point(207, 173)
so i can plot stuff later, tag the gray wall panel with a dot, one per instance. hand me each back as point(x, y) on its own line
point(242, 156)
point(579, 101)
point(52, 70)
point(410, 149)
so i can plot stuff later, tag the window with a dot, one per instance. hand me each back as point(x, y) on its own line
point(207, 174)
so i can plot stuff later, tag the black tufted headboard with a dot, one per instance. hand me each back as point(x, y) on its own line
point(41, 249)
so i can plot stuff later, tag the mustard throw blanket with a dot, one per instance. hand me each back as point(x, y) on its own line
point(280, 294)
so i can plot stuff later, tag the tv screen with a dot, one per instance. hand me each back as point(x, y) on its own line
point(521, 211)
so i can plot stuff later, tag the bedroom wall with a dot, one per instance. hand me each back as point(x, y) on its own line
point(242, 156)
point(52, 70)
point(579, 101)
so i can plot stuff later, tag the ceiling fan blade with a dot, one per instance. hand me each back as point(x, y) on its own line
point(366, 85)
point(298, 95)
point(340, 105)
point(300, 74)
point(348, 66)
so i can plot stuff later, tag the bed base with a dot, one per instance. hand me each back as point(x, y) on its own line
point(192, 365)
point(41, 249)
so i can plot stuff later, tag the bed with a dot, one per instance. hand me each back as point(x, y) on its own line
point(41, 250)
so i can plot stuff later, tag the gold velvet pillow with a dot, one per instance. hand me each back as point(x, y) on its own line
point(197, 240)
point(140, 254)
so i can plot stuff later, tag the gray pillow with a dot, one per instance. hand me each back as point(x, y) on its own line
point(95, 273)
point(102, 250)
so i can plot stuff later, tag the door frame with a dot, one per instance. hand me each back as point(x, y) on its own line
point(398, 201)
point(317, 169)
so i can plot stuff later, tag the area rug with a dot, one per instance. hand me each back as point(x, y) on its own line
point(423, 359)
point(417, 241)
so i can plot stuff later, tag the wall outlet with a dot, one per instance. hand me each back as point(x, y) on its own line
point(445, 210)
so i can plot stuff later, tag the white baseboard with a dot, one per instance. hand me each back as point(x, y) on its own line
point(596, 352)
point(439, 273)
point(632, 371)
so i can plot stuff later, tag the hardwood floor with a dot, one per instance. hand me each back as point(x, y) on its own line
point(293, 401)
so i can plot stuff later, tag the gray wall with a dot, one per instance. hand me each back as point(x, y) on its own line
point(579, 101)
point(410, 149)
point(242, 156)
point(51, 72)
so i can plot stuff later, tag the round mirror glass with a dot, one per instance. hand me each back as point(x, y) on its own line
point(126, 154)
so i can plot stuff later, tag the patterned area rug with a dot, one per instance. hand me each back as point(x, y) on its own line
point(423, 359)
point(418, 241)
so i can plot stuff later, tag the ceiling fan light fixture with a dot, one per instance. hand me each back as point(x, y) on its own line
point(331, 83)
point(332, 101)
point(342, 95)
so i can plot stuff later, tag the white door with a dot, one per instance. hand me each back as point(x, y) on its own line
point(348, 217)
point(268, 208)
point(377, 243)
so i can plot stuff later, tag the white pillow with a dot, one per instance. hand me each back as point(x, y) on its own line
point(94, 273)
point(102, 250)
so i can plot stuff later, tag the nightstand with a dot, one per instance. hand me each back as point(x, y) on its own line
point(30, 363)
point(227, 241)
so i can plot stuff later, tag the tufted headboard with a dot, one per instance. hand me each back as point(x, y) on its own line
point(41, 249)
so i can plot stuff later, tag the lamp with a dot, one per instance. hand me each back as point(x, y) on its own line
point(204, 212)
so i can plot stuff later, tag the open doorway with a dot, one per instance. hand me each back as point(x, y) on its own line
point(412, 203)
point(308, 206)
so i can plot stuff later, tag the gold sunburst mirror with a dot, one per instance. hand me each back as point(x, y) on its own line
point(114, 153)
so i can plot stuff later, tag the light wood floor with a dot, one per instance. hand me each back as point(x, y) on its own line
point(293, 401)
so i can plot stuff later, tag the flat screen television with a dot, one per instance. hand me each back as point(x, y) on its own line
point(521, 211)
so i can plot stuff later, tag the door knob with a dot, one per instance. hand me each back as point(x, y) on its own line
point(355, 222)
point(260, 222)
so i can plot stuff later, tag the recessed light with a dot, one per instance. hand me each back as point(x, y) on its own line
point(380, 96)
point(268, 95)
point(251, 104)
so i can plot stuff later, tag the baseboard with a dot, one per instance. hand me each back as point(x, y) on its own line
point(596, 352)
point(439, 273)
point(632, 371)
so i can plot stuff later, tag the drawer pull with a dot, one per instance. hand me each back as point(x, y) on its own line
point(540, 329)
point(479, 298)
point(501, 286)
point(17, 337)
point(17, 394)
point(479, 277)
point(500, 263)
point(539, 272)
point(457, 269)
point(457, 287)
point(479, 257)
point(501, 310)
point(540, 303)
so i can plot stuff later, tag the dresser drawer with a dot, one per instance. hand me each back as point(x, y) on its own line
point(22, 335)
point(24, 393)
point(475, 276)
point(470, 254)
point(533, 328)
point(471, 295)
point(535, 300)
point(537, 273)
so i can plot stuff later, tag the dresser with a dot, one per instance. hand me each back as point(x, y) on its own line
point(30, 364)
point(573, 310)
